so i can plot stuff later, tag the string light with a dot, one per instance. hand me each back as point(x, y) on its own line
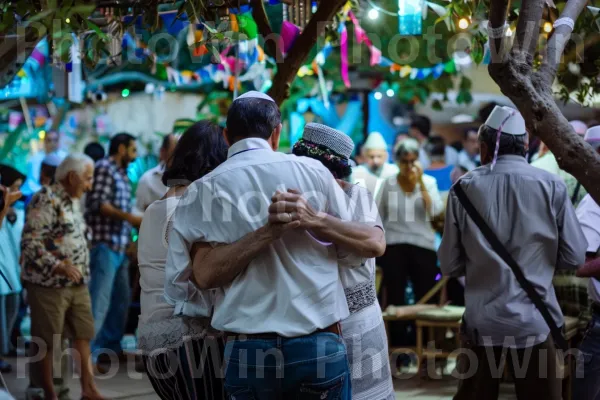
point(390, 92)
point(548, 27)
point(373, 14)
point(378, 96)
point(463, 23)
point(125, 93)
point(42, 135)
point(68, 20)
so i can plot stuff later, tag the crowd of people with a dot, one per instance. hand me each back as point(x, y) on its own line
point(258, 269)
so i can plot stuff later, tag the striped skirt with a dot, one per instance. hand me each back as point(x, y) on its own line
point(192, 371)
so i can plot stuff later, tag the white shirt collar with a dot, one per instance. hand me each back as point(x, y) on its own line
point(248, 144)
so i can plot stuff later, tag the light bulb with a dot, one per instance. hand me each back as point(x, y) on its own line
point(125, 93)
point(463, 23)
point(378, 96)
point(373, 14)
point(548, 27)
point(68, 20)
point(42, 135)
point(390, 92)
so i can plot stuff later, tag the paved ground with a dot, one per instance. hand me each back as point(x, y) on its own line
point(128, 384)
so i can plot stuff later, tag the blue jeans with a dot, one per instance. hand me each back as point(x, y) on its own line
point(588, 387)
point(111, 295)
point(304, 368)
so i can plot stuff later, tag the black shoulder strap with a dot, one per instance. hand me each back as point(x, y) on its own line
point(576, 193)
point(505, 255)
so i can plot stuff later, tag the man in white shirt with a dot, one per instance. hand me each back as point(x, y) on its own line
point(289, 299)
point(376, 168)
point(150, 187)
point(588, 214)
point(420, 130)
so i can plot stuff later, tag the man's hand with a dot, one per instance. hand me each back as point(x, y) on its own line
point(10, 197)
point(277, 230)
point(69, 271)
point(291, 206)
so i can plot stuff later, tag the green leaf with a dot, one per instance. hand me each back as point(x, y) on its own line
point(215, 52)
point(465, 83)
point(476, 50)
point(84, 10)
point(437, 105)
point(96, 29)
point(42, 15)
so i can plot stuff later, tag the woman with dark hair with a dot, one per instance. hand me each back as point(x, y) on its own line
point(172, 345)
point(364, 329)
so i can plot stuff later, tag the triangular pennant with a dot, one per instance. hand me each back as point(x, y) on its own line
point(405, 71)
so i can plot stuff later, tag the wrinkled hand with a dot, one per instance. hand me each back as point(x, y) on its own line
point(67, 270)
point(277, 230)
point(291, 206)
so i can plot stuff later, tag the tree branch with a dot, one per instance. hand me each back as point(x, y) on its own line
point(558, 40)
point(272, 47)
point(528, 30)
point(286, 71)
point(497, 19)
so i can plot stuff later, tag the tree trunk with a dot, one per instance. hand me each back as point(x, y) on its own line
point(531, 91)
point(287, 71)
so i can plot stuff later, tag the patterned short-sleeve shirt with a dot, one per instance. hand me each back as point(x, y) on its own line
point(111, 185)
point(54, 232)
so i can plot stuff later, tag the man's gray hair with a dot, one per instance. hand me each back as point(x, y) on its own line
point(73, 163)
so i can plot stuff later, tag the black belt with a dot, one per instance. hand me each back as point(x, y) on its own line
point(335, 328)
point(596, 308)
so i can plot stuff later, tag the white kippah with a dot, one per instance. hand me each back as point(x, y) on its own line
point(253, 94)
point(334, 140)
point(564, 21)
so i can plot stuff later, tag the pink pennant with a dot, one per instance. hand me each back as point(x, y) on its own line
point(289, 33)
point(375, 56)
point(344, 55)
point(361, 35)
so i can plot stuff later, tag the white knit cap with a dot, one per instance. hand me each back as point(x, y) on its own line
point(253, 94)
point(508, 120)
point(334, 140)
point(579, 126)
point(592, 136)
point(375, 141)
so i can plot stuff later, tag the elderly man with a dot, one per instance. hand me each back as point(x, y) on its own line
point(294, 314)
point(376, 168)
point(150, 187)
point(56, 270)
point(508, 226)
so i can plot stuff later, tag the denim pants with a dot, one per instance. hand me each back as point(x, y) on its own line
point(111, 295)
point(588, 386)
point(308, 367)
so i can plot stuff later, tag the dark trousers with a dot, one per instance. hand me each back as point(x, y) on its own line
point(400, 263)
point(537, 376)
point(193, 371)
point(587, 384)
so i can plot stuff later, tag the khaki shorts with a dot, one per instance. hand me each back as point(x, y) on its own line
point(66, 312)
